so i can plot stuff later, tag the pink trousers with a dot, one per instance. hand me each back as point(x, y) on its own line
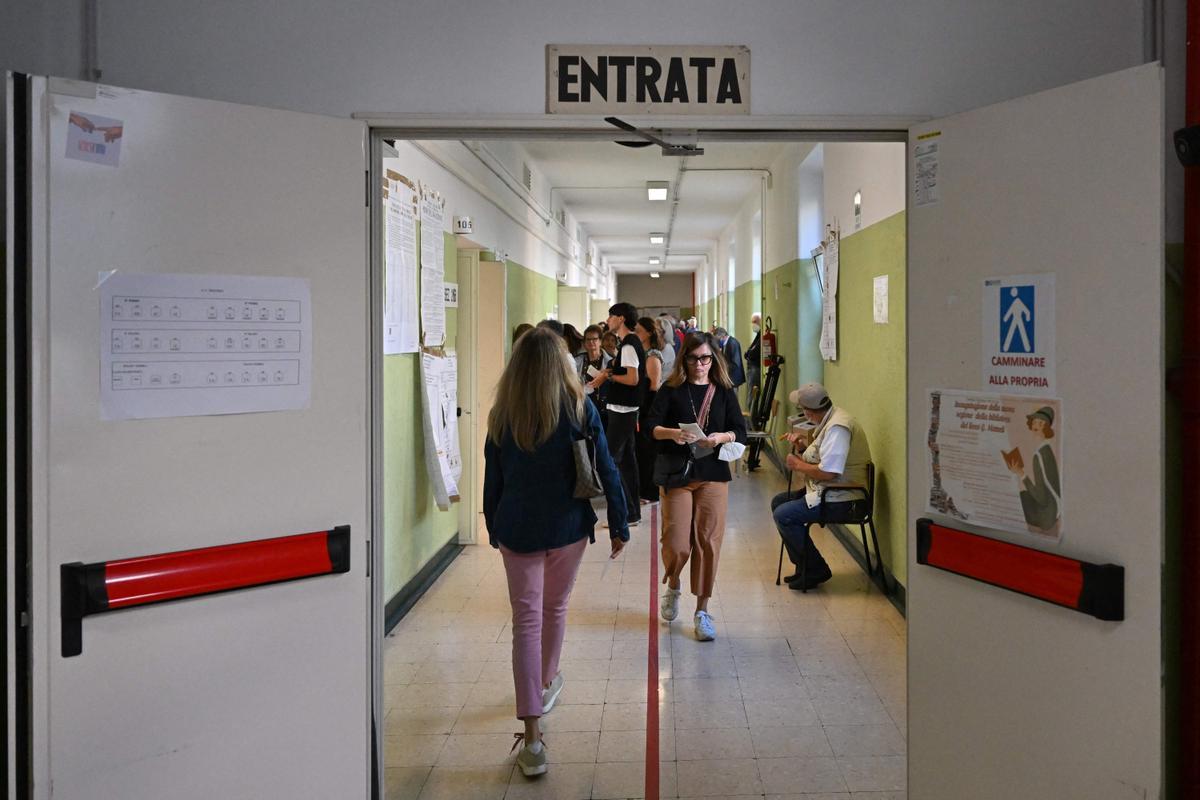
point(539, 586)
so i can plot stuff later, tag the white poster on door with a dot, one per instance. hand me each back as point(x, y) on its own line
point(194, 345)
point(996, 461)
point(433, 269)
point(1019, 334)
point(401, 310)
point(443, 462)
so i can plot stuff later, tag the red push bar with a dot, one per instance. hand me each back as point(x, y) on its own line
point(110, 585)
point(1094, 589)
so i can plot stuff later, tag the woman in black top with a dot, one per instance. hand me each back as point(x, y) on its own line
point(698, 391)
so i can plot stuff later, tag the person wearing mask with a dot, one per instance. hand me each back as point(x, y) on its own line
point(649, 335)
point(627, 386)
point(754, 354)
point(590, 365)
point(534, 519)
point(731, 349)
point(839, 453)
point(698, 391)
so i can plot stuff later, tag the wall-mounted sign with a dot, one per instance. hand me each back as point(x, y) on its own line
point(1019, 335)
point(623, 79)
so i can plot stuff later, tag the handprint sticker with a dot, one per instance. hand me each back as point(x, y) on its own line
point(94, 139)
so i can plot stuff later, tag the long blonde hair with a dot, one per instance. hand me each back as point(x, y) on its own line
point(718, 373)
point(538, 383)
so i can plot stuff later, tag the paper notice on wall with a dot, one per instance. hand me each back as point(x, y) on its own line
point(433, 269)
point(94, 139)
point(195, 345)
point(439, 380)
point(401, 310)
point(996, 461)
point(880, 307)
point(829, 288)
point(925, 169)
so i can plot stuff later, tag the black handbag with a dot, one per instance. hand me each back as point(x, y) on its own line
point(672, 470)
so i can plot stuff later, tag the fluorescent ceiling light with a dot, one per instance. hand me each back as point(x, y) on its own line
point(653, 274)
point(657, 190)
point(655, 260)
point(657, 238)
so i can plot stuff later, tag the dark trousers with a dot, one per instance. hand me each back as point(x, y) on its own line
point(793, 517)
point(622, 444)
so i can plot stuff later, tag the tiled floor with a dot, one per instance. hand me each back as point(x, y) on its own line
point(800, 696)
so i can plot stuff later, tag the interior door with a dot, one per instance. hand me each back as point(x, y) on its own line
point(1010, 696)
point(489, 363)
point(256, 693)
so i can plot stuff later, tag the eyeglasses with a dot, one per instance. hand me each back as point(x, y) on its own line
point(698, 359)
point(592, 339)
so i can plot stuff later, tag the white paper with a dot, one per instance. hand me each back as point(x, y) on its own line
point(439, 379)
point(451, 295)
point(401, 315)
point(592, 372)
point(1019, 334)
point(829, 290)
point(988, 466)
point(194, 345)
point(881, 300)
point(925, 172)
point(94, 139)
point(433, 269)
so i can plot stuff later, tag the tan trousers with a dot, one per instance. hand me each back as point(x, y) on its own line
point(693, 527)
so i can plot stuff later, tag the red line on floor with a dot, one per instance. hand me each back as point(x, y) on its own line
point(652, 666)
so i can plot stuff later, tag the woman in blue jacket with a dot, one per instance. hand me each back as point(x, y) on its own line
point(535, 520)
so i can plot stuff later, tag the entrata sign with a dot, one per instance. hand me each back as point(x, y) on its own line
point(601, 79)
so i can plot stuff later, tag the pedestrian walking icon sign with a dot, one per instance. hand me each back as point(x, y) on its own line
point(1018, 334)
point(1017, 320)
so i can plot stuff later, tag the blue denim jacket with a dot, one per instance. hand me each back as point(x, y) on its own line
point(527, 497)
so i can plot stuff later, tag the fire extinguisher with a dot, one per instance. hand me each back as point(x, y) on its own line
point(768, 344)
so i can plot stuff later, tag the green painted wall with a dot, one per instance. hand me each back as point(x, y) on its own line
point(413, 527)
point(868, 379)
point(529, 296)
point(792, 299)
point(747, 299)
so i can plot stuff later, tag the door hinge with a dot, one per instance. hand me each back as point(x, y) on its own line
point(24, 619)
point(368, 558)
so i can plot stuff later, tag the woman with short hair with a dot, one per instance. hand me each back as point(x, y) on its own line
point(534, 519)
point(698, 391)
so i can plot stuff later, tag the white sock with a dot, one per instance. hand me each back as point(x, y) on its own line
point(536, 747)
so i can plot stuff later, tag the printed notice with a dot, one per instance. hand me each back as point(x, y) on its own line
point(829, 290)
point(196, 345)
point(94, 139)
point(433, 270)
point(925, 169)
point(996, 461)
point(443, 462)
point(1019, 334)
point(880, 305)
point(400, 312)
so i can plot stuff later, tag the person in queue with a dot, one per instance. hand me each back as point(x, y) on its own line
point(591, 365)
point(573, 338)
point(839, 453)
point(534, 519)
point(649, 335)
point(666, 334)
point(698, 391)
point(520, 330)
point(627, 386)
point(754, 354)
point(731, 349)
point(609, 344)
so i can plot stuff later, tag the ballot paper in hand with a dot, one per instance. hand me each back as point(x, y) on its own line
point(592, 372)
point(698, 432)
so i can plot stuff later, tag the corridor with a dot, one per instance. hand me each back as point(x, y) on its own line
point(800, 696)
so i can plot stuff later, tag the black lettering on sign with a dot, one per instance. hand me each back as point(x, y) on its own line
point(597, 80)
point(702, 66)
point(565, 79)
point(729, 90)
point(676, 90)
point(649, 71)
point(622, 64)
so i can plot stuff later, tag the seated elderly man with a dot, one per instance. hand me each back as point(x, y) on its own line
point(839, 453)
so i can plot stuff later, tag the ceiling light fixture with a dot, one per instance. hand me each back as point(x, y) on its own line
point(655, 261)
point(653, 274)
point(657, 238)
point(657, 190)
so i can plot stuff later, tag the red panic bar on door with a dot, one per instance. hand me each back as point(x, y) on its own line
point(1094, 589)
point(111, 585)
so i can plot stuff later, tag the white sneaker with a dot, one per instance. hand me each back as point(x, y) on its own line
point(704, 627)
point(550, 694)
point(670, 603)
point(532, 758)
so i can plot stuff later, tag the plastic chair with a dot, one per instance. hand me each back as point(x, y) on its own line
point(863, 521)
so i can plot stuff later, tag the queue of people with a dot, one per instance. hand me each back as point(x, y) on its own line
point(649, 417)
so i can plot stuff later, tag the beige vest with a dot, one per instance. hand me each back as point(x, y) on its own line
point(856, 459)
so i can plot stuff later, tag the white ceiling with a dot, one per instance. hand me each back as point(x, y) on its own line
point(604, 186)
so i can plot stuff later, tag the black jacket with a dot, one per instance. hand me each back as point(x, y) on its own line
point(618, 393)
point(732, 350)
point(673, 406)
